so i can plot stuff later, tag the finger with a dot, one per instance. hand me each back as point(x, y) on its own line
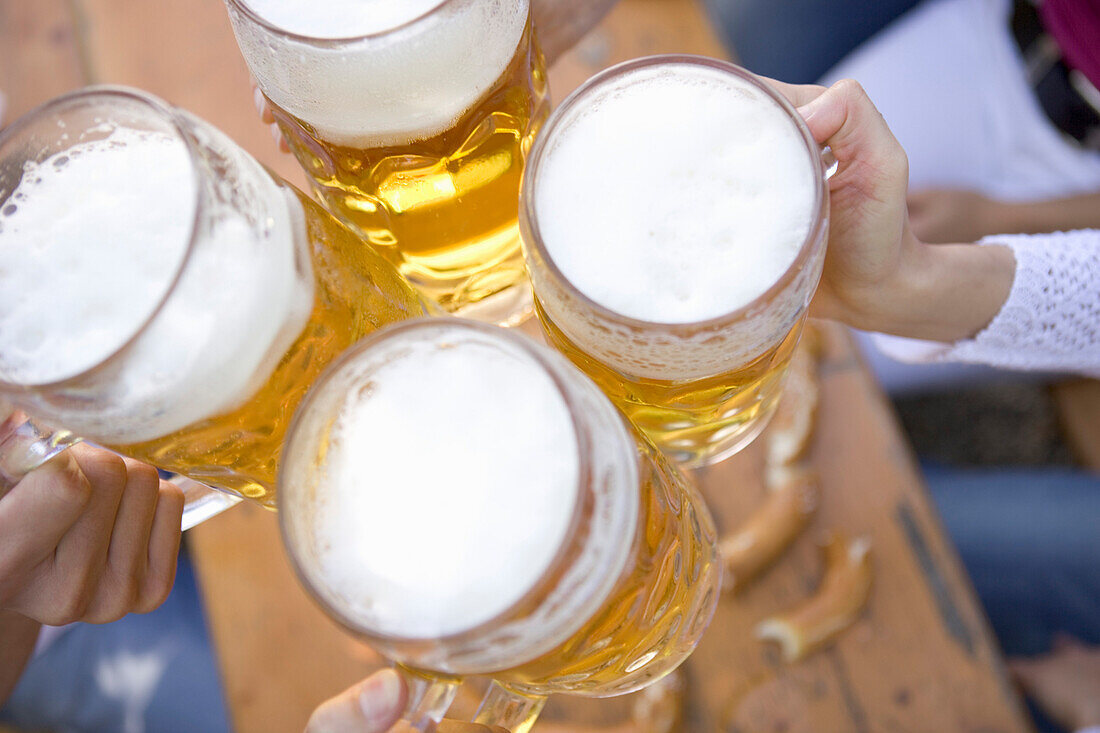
point(40, 510)
point(164, 547)
point(10, 418)
point(371, 706)
point(128, 554)
point(845, 118)
point(797, 94)
point(84, 548)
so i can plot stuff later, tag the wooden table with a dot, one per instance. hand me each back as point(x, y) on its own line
point(920, 659)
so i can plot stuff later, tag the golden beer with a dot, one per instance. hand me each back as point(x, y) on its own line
point(674, 220)
point(173, 299)
point(696, 421)
point(356, 292)
point(544, 542)
point(440, 202)
point(658, 610)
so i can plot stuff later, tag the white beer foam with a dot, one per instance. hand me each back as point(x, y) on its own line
point(674, 194)
point(387, 89)
point(341, 18)
point(447, 485)
point(91, 241)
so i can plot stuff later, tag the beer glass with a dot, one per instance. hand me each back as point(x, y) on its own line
point(412, 120)
point(164, 295)
point(674, 216)
point(469, 503)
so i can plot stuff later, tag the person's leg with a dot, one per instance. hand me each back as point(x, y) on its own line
point(798, 40)
point(1030, 540)
point(153, 672)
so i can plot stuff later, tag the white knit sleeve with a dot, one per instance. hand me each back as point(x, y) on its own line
point(1051, 320)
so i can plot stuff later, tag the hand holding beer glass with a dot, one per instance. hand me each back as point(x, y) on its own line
point(412, 120)
point(469, 503)
point(674, 218)
point(163, 295)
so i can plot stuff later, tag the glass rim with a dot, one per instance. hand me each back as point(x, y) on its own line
point(244, 7)
point(528, 217)
point(575, 530)
point(172, 118)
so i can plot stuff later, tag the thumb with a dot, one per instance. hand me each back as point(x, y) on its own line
point(845, 119)
point(372, 706)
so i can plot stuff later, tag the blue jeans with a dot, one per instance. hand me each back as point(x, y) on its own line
point(154, 672)
point(797, 41)
point(1030, 539)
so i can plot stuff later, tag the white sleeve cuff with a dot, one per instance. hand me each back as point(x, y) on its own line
point(1049, 321)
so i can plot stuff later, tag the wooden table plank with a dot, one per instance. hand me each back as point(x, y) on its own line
point(183, 51)
point(280, 655)
point(41, 55)
point(920, 659)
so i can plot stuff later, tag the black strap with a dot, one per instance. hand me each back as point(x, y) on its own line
point(1050, 78)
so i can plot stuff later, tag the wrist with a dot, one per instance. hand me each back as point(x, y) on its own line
point(893, 305)
point(945, 292)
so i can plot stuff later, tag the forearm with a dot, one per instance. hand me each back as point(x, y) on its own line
point(1054, 215)
point(945, 292)
point(18, 635)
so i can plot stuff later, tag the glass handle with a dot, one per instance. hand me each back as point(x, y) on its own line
point(513, 711)
point(830, 161)
point(201, 502)
point(25, 446)
point(429, 698)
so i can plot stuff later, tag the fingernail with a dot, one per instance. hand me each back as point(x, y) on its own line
point(380, 695)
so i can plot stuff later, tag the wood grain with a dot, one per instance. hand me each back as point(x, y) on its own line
point(920, 659)
point(41, 55)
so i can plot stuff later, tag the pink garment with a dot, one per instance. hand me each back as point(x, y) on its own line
point(1075, 25)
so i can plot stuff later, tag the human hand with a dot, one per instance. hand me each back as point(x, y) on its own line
point(942, 215)
point(878, 275)
point(88, 536)
point(1065, 683)
point(375, 705)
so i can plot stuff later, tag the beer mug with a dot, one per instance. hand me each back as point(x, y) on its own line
point(164, 295)
point(674, 217)
point(469, 503)
point(413, 120)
